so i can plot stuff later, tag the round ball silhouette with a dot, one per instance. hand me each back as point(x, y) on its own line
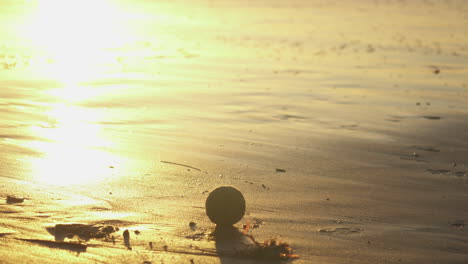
point(225, 206)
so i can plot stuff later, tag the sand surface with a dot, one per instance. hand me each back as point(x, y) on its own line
point(343, 124)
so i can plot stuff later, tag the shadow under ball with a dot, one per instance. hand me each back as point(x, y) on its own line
point(225, 206)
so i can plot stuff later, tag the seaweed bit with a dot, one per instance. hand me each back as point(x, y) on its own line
point(271, 249)
point(82, 231)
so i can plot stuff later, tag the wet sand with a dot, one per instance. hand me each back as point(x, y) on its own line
point(344, 129)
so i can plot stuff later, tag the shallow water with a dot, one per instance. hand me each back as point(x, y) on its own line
point(95, 93)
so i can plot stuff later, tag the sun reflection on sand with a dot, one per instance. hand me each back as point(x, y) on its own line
point(74, 153)
point(77, 37)
point(74, 93)
point(78, 41)
point(64, 25)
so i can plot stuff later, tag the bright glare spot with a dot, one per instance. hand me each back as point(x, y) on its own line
point(77, 39)
point(74, 93)
point(74, 154)
point(66, 165)
point(77, 36)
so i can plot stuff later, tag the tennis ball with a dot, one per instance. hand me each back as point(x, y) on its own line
point(225, 206)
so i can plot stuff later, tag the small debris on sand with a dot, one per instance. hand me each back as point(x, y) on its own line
point(126, 236)
point(432, 117)
point(459, 173)
point(180, 164)
point(442, 171)
point(426, 148)
point(193, 226)
point(437, 71)
point(270, 249)
point(14, 199)
point(341, 230)
point(458, 223)
point(137, 232)
point(199, 236)
point(280, 170)
point(82, 231)
point(256, 223)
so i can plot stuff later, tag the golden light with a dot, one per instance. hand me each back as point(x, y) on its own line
point(77, 37)
point(74, 93)
point(76, 41)
point(74, 153)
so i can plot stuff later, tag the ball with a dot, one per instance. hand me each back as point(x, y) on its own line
point(225, 206)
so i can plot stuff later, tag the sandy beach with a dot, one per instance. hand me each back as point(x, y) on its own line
point(342, 123)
